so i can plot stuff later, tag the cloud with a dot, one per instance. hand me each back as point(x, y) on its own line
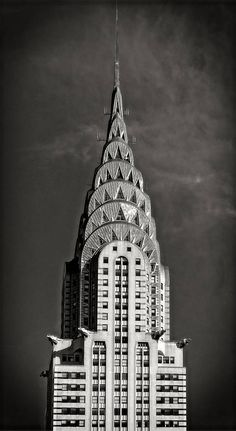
point(77, 144)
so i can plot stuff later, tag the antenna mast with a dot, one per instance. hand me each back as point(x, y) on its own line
point(117, 66)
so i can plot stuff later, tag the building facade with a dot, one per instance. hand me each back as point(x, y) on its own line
point(114, 367)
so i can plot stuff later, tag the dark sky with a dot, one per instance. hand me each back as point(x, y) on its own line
point(178, 81)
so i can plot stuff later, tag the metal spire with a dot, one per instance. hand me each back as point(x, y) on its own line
point(117, 66)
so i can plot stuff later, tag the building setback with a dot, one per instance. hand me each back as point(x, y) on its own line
point(114, 367)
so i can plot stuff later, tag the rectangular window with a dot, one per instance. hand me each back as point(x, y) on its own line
point(105, 282)
point(104, 304)
point(105, 259)
point(81, 375)
point(114, 248)
point(137, 272)
point(105, 271)
point(128, 248)
point(104, 316)
point(104, 327)
point(105, 293)
point(138, 261)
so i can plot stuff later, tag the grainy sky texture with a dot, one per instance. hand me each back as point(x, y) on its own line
point(178, 81)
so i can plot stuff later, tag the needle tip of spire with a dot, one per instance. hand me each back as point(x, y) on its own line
point(117, 67)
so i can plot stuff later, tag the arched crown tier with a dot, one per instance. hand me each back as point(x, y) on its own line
point(120, 231)
point(117, 103)
point(119, 189)
point(118, 170)
point(117, 128)
point(119, 211)
point(118, 149)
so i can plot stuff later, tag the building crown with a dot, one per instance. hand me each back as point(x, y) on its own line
point(117, 208)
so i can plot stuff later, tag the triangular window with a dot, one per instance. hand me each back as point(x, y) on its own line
point(105, 219)
point(148, 253)
point(130, 177)
point(97, 204)
point(109, 156)
point(108, 175)
point(147, 229)
point(142, 206)
point(119, 174)
point(127, 237)
point(120, 215)
point(107, 197)
point(102, 241)
point(127, 157)
point(139, 243)
point(138, 184)
point(133, 198)
point(136, 219)
point(120, 194)
point(114, 237)
point(118, 154)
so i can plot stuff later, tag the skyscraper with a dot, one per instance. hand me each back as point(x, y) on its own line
point(114, 367)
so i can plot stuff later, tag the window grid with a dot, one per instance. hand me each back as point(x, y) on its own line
point(121, 343)
point(99, 386)
point(142, 386)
